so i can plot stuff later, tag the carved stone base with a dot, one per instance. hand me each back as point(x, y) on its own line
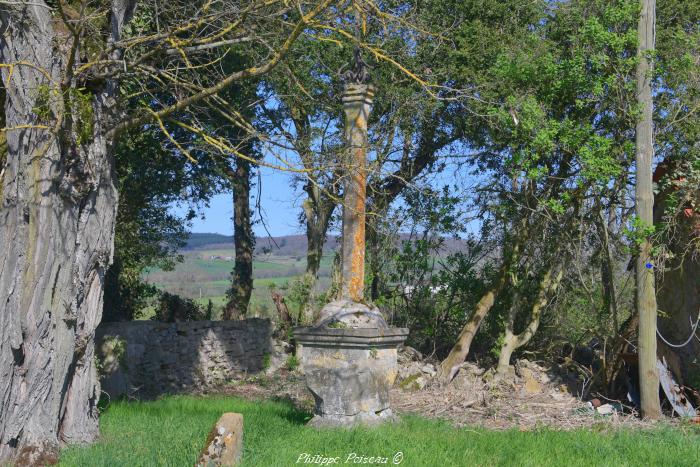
point(349, 372)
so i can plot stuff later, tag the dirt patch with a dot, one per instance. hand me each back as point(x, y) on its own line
point(281, 385)
point(529, 396)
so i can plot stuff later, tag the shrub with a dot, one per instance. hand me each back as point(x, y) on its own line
point(172, 308)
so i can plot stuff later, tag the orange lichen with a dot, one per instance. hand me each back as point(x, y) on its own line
point(356, 109)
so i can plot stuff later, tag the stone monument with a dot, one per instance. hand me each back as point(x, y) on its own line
point(348, 356)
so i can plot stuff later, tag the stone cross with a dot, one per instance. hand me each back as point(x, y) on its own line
point(357, 103)
point(348, 356)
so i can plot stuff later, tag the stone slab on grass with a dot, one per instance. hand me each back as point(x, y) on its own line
point(224, 446)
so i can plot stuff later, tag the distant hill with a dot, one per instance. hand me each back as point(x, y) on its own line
point(200, 240)
point(288, 245)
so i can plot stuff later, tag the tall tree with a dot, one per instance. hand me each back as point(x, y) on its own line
point(62, 66)
point(558, 90)
point(644, 207)
point(243, 238)
point(57, 214)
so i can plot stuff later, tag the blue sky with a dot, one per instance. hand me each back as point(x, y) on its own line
point(280, 204)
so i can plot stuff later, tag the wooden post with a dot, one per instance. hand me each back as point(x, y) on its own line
point(644, 204)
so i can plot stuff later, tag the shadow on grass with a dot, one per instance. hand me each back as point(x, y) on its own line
point(293, 414)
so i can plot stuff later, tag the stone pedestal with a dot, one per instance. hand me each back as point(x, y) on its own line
point(350, 372)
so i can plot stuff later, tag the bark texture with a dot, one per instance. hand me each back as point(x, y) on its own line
point(644, 197)
point(57, 211)
point(512, 341)
point(242, 275)
point(318, 210)
point(450, 365)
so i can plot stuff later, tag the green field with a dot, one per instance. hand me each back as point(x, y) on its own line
point(202, 278)
point(171, 432)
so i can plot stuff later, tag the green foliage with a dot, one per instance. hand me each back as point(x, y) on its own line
point(148, 233)
point(171, 308)
point(299, 294)
point(114, 348)
point(337, 325)
point(373, 352)
point(292, 363)
point(83, 115)
point(267, 361)
point(638, 232)
point(431, 288)
point(43, 104)
point(209, 311)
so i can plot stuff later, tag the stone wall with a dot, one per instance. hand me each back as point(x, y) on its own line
point(144, 359)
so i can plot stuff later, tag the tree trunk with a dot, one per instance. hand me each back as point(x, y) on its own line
point(58, 206)
point(450, 365)
point(318, 209)
point(614, 360)
point(57, 212)
point(548, 285)
point(318, 217)
point(645, 292)
point(607, 273)
point(374, 255)
point(242, 275)
point(3, 139)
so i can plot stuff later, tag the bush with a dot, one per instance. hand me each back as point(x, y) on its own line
point(173, 308)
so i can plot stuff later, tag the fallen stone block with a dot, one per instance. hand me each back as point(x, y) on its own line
point(224, 446)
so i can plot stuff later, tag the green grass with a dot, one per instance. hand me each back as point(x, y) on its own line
point(171, 431)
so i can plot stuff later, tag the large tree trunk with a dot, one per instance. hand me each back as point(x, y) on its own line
point(57, 212)
point(645, 292)
point(242, 276)
point(3, 139)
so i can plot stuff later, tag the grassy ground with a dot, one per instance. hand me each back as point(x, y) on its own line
point(171, 431)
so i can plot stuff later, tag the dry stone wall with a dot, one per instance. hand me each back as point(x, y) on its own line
point(144, 359)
